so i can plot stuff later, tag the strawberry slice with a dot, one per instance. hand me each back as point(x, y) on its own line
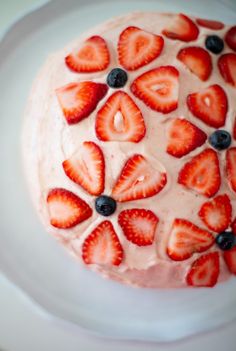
point(197, 60)
point(102, 246)
point(231, 167)
point(137, 48)
point(230, 38)
point(186, 239)
point(66, 209)
point(216, 214)
point(204, 271)
point(181, 28)
point(227, 67)
point(209, 105)
point(230, 259)
point(202, 173)
point(139, 226)
point(91, 56)
point(120, 120)
point(216, 25)
point(184, 137)
point(138, 180)
point(86, 168)
point(234, 129)
point(158, 88)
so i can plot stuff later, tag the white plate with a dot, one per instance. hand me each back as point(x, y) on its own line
point(30, 257)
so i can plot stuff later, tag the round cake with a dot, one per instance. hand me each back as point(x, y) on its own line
point(130, 149)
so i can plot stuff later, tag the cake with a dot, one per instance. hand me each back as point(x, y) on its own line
point(130, 149)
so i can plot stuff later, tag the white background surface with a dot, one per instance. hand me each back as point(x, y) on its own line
point(23, 329)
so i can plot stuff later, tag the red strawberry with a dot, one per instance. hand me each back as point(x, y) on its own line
point(234, 129)
point(102, 246)
point(230, 38)
point(186, 239)
point(216, 214)
point(158, 88)
point(120, 120)
point(78, 100)
point(204, 271)
point(91, 56)
point(181, 28)
point(231, 167)
point(202, 173)
point(227, 67)
point(216, 25)
point(209, 105)
point(198, 61)
point(137, 48)
point(138, 180)
point(184, 137)
point(230, 259)
point(87, 168)
point(233, 226)
point(139, 226)
point(66, 209)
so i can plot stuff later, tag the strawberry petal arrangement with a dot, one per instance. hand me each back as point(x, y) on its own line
point(131, 150)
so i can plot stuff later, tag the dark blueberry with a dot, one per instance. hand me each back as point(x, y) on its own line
point(105, 205)
point(117, 78)
point(214, 44)
point(220, 139)
point(226, 240)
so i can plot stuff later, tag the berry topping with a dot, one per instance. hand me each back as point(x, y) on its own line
point(105, 205)
point(210, 24)
point(197, 60)
point(158, 88)
point(204, 271)
point(220, 139)
point(78, 100)
point(120, 120)
point(86, 168)
point(230, 38)
point(230, 259)
point(66, 209)
point(216, 214)
point(231, 167)
point(137, 48)
point(138, 180)
point(184, 137)
point(227, 67)
point(102, 246)
point(202, 173)
point(139, 226)
point(181, 28)
point(117, 78)
point(214, 44)
point(209, 105)
point(186, 239)
point(226, 240)
point(234, 129)
point(91, 56)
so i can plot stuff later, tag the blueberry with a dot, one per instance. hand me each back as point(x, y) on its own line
point(214, 44)
point(117, 78)
point(226, 240)
point(105, 205)
point(220, 139)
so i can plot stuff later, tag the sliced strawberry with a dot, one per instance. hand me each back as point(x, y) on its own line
point(102, 246)
point(186, 239)
point(233, 226)
point(231, 167)
point(204, 271)
point(209, 105)
point(139, 225)
point(230, 259)
point(91, 56)
point(86, 168)
point(227, 67)
point(138, 180)
point(234, 129)
point(198, 61)
point(120, 120)
point(202, 173)
point(216, 25)
point(184, 137)
point(158, 88)
point(137, 48)
point(216, 214)
point(66, 209)
point(181, 28)
point(230, 38)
